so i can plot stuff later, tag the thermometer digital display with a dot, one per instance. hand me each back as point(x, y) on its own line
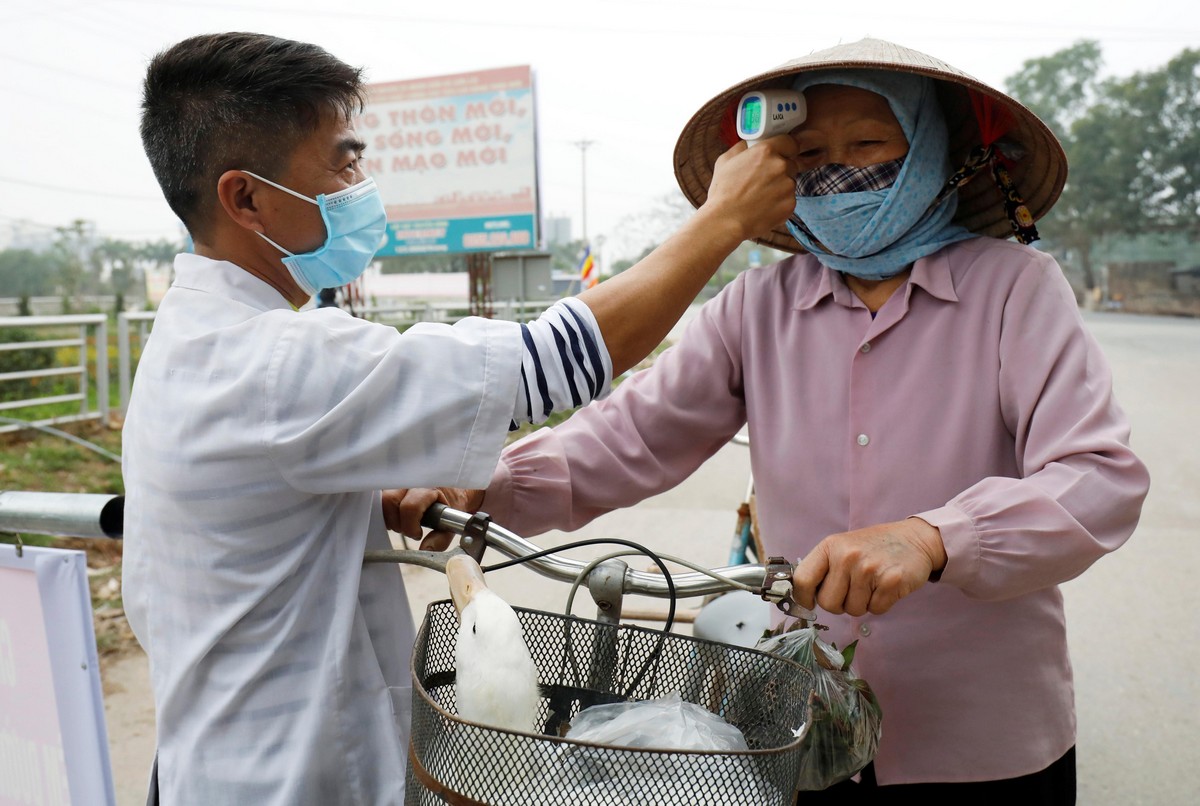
point(766, 113)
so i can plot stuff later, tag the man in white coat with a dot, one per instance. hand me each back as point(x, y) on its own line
point(258, 437)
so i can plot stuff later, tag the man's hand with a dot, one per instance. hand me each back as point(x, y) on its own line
point(755, 187)
point(869, 570)
point(403, 510)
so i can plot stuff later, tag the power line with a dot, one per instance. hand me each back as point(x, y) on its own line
point(160, 234)
point(1020, 29)
point(46, 100)
point(72, 73)
point(84, 191)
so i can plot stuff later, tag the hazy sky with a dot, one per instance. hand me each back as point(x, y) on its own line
point(626, 74)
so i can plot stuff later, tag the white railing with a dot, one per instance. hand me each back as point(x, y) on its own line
point(520, 310)
point(409, 313)
point(82, 326)
point(141, 321)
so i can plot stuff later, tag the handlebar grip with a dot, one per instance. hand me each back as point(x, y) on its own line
point(432, 519)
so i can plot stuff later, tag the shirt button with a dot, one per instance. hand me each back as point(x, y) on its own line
point(863, 439)
point(864, 629)
point(866, 348)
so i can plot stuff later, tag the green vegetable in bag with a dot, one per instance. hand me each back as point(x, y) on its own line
point(845, 718)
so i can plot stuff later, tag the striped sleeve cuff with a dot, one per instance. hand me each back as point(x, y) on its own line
point(565, 363)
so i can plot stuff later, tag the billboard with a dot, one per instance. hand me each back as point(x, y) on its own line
point(455, 158)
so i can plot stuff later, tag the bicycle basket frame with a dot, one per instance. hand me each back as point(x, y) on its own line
point(581, 663)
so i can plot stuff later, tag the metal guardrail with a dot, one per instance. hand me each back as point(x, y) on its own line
point(141, 320)
point(81, 324)
point(409, 313)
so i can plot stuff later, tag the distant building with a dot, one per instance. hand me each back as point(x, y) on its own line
point(557, 230)
point(25, 235)
point(1154, 287)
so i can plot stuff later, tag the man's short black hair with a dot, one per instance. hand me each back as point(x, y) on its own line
point(229, 101)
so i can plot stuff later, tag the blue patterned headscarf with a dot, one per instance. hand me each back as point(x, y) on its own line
point(876, 234)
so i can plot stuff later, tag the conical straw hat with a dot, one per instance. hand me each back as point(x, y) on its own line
point(1038, 174)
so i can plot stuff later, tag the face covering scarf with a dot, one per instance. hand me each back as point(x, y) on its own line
point(876, 233)
point(355, 221)
point(837, 178)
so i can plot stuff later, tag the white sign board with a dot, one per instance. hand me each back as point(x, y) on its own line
point(455, 158)
point(53, 741)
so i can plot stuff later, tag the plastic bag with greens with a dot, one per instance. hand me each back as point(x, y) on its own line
point(845, 718)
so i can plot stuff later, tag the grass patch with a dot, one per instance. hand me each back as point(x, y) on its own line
point(38, 462)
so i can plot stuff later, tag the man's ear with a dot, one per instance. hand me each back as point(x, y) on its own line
point(238, 195)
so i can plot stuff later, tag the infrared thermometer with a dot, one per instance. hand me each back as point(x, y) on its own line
point(766, 113)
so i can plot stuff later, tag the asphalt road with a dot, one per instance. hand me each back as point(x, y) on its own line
point(1133, 630)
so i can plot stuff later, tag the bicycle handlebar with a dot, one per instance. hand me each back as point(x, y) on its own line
point(442, 518)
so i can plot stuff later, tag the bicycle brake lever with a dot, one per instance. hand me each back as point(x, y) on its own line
point(777, 589)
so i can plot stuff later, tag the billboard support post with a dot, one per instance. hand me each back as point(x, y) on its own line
point(479, 273)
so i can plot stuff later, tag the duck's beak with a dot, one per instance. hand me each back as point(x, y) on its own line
point(465, 578)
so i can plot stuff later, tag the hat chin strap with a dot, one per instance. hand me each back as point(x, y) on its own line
point(993, 156)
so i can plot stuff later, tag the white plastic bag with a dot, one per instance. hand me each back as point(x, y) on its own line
point(667, 723)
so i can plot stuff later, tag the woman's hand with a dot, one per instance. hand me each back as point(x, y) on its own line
point(869, 570)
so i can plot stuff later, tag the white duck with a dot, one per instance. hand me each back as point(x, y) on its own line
point(497, 681)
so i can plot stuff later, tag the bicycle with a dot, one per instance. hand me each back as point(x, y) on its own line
point(584, 662)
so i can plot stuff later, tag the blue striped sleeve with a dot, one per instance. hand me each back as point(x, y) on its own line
point(539, 374)
point(567, 367)
point(593, 353)
point(593, 383)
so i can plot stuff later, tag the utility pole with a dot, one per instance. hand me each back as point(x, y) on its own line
point(583, 145)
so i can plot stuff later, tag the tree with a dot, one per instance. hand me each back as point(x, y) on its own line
point(74, 257)
point(1132, 144)
point(1062, 89)
point(158, 254)
point(641, 232)
point(638, 233)
point(25, 274)
point(565, 256)
point(1168, 101)
point(120, 259)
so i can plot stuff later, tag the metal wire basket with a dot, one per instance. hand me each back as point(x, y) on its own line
point(582, 663)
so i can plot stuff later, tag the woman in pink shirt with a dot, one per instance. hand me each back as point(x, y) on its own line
point(932, 427)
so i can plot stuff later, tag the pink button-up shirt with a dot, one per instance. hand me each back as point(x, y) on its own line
point(975, 398)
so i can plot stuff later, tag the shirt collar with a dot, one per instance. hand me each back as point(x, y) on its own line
point(930, 273)
point(225, 279)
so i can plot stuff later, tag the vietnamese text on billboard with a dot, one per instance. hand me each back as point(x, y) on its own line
point(455, 160)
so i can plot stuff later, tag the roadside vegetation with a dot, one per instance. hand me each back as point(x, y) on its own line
point(35, 461)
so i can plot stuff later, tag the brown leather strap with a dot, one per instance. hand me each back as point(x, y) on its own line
point(435, 786)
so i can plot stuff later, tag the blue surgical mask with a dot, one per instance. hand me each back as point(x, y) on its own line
point(355, 222)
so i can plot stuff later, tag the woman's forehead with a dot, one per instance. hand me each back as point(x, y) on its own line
point(842, 102)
